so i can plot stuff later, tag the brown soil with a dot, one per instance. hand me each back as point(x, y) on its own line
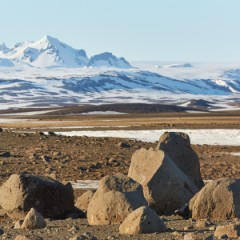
point(77, 158)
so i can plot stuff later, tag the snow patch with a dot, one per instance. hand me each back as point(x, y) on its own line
point(197, 136)
point(103, 113)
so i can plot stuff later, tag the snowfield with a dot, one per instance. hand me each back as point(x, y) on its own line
point(229, 137)
point(33, 87)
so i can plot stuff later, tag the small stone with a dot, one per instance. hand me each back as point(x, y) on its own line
point(190, 227)
point(46, 158)
point(33, 220)
point(51, 133)
point(212, 228)
point(142, 220)
point(74, 229)
point(85, 236)
point(230, 230)
point(18, 224)
point(27, 237)
point(177, 234)
point(189, 236)
point(124, 145)
point(203, 223)
point(5, 154)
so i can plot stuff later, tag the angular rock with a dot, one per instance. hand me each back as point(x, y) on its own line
point(165, 186)
point(115, 198)
point(142, 220)
point(178, 147)
point(218, 200)
point(230, 230)
point(33, 220)
point(84, 200)
point(21, 192)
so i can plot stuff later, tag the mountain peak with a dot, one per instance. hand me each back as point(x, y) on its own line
point(48, 38)
point(47, 41)
point(51, 52)
point(3, 47)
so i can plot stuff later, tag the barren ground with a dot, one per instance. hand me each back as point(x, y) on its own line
point(24, 148)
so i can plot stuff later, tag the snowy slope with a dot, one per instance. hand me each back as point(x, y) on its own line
point(58, 87)
point(184, 65)
point(49, 52)
point(6, 63)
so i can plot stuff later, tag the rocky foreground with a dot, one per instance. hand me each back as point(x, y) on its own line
point(139, 182)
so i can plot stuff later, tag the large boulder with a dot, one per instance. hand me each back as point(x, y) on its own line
point(165, 186)
point(115, 198)
point(21, 192)
point(218, 200)
point(142, 220)
point(178, 147)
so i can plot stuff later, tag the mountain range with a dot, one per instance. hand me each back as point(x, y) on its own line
point(50, 73)
point(49, 52)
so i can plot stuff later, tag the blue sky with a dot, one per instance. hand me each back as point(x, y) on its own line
point(179, 30)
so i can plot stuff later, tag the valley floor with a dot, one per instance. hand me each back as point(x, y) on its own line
point(26, 146)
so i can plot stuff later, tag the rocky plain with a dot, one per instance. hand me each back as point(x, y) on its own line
point(170, 189)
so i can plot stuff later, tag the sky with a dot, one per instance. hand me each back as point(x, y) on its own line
point(165, 30)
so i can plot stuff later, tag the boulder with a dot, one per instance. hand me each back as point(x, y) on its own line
point(21, 192)
point(165, 186)
point(115, 198)
point(227, 231)
point(83, 201)
point(218, 200)
point(33, 220)
point(142, 220)
point(178, 147)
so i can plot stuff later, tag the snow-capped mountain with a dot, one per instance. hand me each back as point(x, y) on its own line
point(49, 52)
point(108, 60)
